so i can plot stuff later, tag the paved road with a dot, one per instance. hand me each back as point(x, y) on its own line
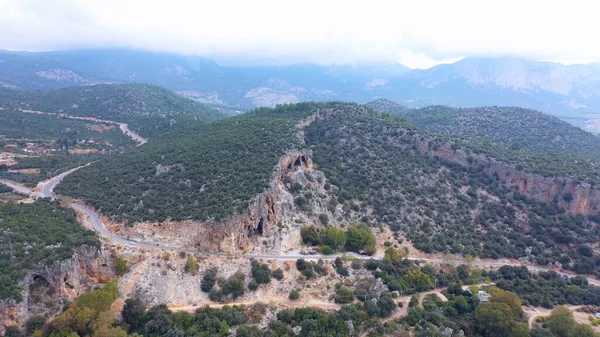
point(48, 192)
point(16, 187)
point(97, 224)
point(123, 126)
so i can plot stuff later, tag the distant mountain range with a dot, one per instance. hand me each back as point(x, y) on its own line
point(571, 92)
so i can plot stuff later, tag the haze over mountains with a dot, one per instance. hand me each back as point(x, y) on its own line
point(571, 92)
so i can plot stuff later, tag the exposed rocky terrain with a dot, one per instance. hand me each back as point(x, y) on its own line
point(46, 289)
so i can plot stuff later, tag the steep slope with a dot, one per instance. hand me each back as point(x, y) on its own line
point(203, 172)
point(253, 179)
point(149, 109)
point(513, 126)
point(32, 247)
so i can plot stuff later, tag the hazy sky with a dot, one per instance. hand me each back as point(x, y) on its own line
point(419, 34)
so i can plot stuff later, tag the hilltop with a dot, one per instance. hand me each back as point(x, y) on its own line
point(513, 126)
point(258, 177)
point(150, 110)
point(571, 92)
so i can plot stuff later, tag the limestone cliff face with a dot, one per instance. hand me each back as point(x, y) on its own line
point(45, 289)
point(271, 215)
point(575, 197)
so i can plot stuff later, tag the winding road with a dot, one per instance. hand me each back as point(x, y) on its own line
point(47, 191)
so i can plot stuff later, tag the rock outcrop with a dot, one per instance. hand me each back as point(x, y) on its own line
point(575, 197)
point(272, 214)
point(46, 288)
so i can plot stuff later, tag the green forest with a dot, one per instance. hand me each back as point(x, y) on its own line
point(513, 126)
point(210, 172)
point(433, 201)
point(149, 110)
point(35, 127)
point(35, 235)
point(205, 172)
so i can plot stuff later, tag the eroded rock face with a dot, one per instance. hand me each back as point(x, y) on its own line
point(272, 217)
point(45, 289)
point(575, 197)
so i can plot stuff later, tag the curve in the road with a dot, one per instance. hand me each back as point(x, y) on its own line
point(48, 192)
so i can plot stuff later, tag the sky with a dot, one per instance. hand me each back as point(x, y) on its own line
point(418, 34)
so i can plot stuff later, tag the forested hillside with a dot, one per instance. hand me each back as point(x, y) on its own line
point(148, 109)
point(33, 236)
point(46, 145)
point(513, 126)
point(204, 172)
point(17, 125)
point(211, 172)
point(441, 206)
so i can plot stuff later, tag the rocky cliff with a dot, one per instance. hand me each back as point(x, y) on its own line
point(45, 289)
point(575, 197)
point(273, 217)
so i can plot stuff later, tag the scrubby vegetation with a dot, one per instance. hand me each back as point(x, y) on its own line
point(49, 166)
point(150, 110)
point(513, 126)
point(261, 272)
point(547, 289)
point(434, 201)
point(364, 304)
point(375, 171)
point(311, 269)
point(358, 238)
point(229, 289)
point(63, 132)
point(33, 236)
point(203, 173)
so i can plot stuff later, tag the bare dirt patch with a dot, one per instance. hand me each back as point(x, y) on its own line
point(26, 171)
point(83, 151)
point(580, 317)
point(101, 127)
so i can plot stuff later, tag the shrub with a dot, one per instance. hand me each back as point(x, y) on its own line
point(191, 266)
point(326, 250)
point(310, 235)
point(356, 264)
point(121, 266)
point(343, 271)
point(344, 295)
point(252, 285)
point(324, 219)
point(234, 285)
point(209, 280)
point(414, 301)
point(332, 237)
point(294, 294)
point(277, 274)
point(261, 272)
point(360, 237)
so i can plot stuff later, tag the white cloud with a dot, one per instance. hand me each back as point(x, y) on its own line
point(419, 33)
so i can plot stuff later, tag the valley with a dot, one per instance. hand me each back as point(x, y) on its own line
point(299, 169)
point(319, 164)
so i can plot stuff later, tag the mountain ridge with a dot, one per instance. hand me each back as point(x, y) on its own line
point(148, 109)
point(570, 91)
point(512, 126)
